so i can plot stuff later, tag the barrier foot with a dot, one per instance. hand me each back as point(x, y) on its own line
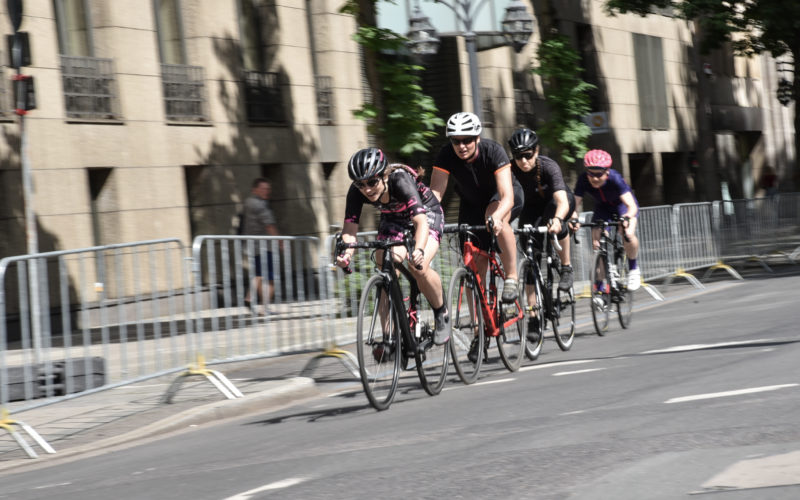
point(586, 293)
point(760, 261)
point(8, 424)
point(724, 267)
point(216, 378)
point(795, 255)
point(680, 273)
point(346, 357)
point(653, 291)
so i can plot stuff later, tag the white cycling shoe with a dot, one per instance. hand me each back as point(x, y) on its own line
point(634, 279)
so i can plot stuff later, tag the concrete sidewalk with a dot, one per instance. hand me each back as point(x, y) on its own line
point(125, 414)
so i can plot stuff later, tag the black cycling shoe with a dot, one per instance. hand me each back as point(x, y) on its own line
point(566, 279)
point(474, 350)
point(383, 351)
point(442, 332)
point(533, 329)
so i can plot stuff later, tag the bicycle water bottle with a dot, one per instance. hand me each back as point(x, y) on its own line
point(612, 269)
point(418, 329)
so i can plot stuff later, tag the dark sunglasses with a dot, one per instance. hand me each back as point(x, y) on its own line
point(527, 156)
point(596, 173)
point(456, 142)
point(367, 183)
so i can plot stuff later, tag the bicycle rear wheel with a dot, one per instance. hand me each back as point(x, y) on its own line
point(378, 344)
point(530, 283)
point(467, 321)
point(601, 296)
point(563, 320)
point(431, 359)
point(624, 296)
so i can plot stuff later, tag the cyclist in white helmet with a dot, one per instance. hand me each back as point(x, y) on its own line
point(482, 171)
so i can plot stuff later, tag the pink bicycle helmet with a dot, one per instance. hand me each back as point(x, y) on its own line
point(597, 158)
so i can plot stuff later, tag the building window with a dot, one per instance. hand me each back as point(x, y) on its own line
point(183, 85)
point(523, 108)
point(650, 82)
point(103, 204)
point(251, 26)
point(325, 100)
point(170, 31)
point(487, 107)
point(72, 23)
point(263, 97)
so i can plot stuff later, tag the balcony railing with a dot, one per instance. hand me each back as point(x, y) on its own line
point(184, 92)
point(89, 88)
point(263, 97)
point(325, 100)
point(488, 107)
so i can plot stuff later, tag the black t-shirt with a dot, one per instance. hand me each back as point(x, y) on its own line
point(475, 182)
point(408, 196)
point(551, 181)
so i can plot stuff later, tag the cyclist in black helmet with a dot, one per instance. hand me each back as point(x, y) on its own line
point(402, 199)
point(548, 200)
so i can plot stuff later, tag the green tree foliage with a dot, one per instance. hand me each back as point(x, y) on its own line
point(400, 114)
point(567, 98)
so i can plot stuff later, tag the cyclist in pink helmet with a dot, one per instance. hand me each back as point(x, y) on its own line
point(612, 195)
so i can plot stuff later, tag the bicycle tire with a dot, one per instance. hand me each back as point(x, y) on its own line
point(527, 273)
point(624, 296)
point(431, 359)
point(379, 369)
point(601, 298)
point(511, 341)
point(466, 317)
point(563, 320)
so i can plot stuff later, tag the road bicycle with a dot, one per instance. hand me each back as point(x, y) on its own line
point(553, 306)
point(477, 312)
point(390, 330)
point(609, 277)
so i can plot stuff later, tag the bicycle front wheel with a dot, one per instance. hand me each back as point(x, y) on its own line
point(531, 285)
point(563, 320)
point(378, 344)
point(511, 341)
point(624, 297)
point(601, 296)
point(467, 321)
point(431, 359)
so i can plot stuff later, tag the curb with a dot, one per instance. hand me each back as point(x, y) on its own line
point(289, 391)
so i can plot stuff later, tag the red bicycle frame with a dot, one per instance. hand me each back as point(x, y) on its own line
point(489, 302)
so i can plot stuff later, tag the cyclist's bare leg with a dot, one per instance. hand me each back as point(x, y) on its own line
point(596, 237)
point(383, 308)
point(428, 280)
point(632, 245)
point(564, 252)
point(507, 243)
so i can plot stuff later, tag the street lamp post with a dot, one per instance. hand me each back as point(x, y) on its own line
point(517, 29)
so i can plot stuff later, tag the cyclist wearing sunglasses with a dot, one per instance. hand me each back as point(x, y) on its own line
point(548, 200)
point(402, 200)
point(612, 195)
point(482, 172)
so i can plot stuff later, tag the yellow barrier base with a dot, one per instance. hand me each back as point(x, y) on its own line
point(9, 425)
point(216, 378)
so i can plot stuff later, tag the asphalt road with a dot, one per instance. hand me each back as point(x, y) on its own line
point(699, 398)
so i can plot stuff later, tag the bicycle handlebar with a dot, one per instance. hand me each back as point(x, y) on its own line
point(532, 230)
point(341, 246)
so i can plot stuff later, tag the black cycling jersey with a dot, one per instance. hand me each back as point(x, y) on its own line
point(475, 181)
point(407, 197)
point(539, 192)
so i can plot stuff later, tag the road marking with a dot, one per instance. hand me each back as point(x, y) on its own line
point(50, 486)
point(271, 486)
point(487, 382)
point(697, 347)
point(712, 395)
point(575, 372)
point(560, 363)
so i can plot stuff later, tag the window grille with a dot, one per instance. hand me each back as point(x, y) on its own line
point(263, 98)
point(523, 107)
point(184, 92)
point(650, 82)
point(325, 100)
point(89, 87)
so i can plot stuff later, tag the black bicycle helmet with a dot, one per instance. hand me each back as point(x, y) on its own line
point(366, 163)
point(523, 139)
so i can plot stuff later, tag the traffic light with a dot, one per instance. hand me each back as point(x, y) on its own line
point(19, 49)
point(24, 94)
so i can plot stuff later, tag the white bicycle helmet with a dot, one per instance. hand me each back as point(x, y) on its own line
point(464, 124)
